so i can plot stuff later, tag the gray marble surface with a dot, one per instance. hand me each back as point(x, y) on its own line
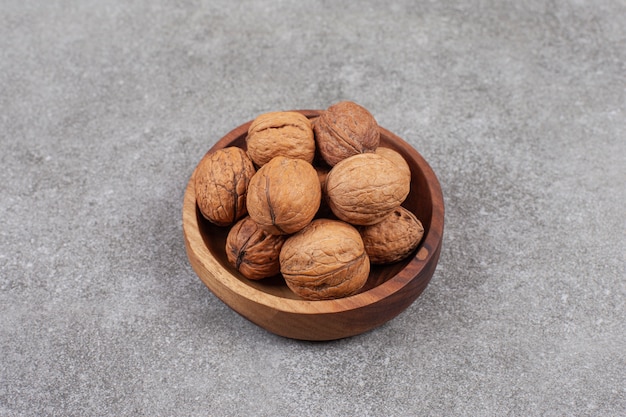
point(107, 106)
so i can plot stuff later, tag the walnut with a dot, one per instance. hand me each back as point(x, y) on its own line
point(287, 134)
point(365, 188)
point(394, 157)
point(252, 251)
point(345, 129)
point(394, 238)
point(284, 195)
point(221, 185)
point(325, 260)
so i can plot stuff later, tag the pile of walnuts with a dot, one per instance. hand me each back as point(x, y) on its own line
point(316, 201)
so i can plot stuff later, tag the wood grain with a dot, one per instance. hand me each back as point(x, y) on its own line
point(270, 304)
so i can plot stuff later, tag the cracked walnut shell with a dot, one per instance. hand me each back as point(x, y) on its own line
point(221, 183)
point(284, 133)
point(253, 251)
point(345, 129)
point(284, 195)
point(325, 260)
point(365, 188)
point(394, 238)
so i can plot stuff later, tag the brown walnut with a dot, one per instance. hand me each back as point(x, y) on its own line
point(286, 133)
point(365, 188)
point(253, 251)
point(394, 238)
point(394, 157)
point(284, 195)
point(221, 183)
point(325, 260)
point(345, 129)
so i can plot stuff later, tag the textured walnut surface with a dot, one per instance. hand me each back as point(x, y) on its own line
point(325, 260)
point(396, 158)
point(288, 134)
point(394, 238)
point(221, 184)
point(253, 251)
point(284, 195)
point(345, 129)
point(365, 188)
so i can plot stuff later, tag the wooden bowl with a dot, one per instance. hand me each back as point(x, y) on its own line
point(270, 304)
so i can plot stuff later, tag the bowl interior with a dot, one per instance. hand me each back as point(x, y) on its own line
point(419, 202)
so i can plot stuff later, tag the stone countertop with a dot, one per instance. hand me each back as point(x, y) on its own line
point(107, 106)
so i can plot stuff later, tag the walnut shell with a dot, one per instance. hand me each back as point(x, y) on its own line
point(345, 129)
point(365, 188)
point(394, 157)
point(325, 260)
point(394, 238)
point(284, 195)
point(285, 133)
point(221, 184)
point(253, 251)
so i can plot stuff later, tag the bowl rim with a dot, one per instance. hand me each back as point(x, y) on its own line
point(428, 248)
